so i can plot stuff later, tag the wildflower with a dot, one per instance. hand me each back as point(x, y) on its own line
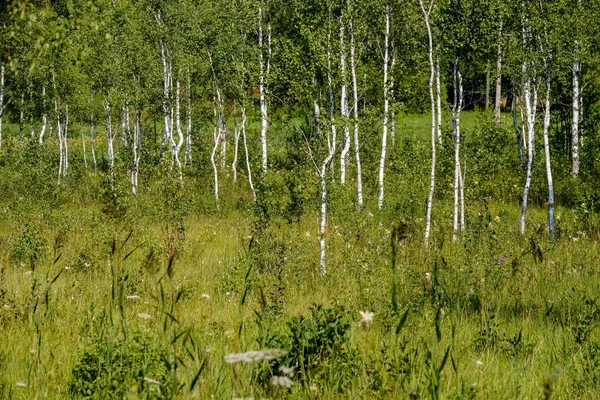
point(501, 259)
point(29, 273)
point(205, 296)
point(428, 277)
point(133, 297)
point(150, 380)
point(21, 384)
point(228, 294)
point(283, 381)
point(307, 234)
point(367, 318)
point(289, 371)
point(144, 316)
point(254, 355)
point(478, 363)
point(497, 219)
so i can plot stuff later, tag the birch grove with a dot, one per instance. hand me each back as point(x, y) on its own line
point(266, 66)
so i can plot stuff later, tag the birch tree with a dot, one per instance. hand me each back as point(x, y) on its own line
point(530, 94)
point(385, 106)
point(344, 102)
point(427, 15)
point(359, 188)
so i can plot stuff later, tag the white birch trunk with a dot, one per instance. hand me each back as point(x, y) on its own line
point(263, 100)
point(439, 101)
point(547, 156)
point(167, 135)
point(344, 104)
point(575, 122)
point(188, 143)
point(60, 142)
point(426, 14)
point(2, 105)
point(497, 103)
point(44, 117)
point(323, 225)
point(456, 109)
point(330, 84)
point(92, 142)
point(136, 156)
point(31, 125)
point(84, 151)
point(530, 111)
point(214, 165)
point(177, 147)
point(124, 123)
point(385, 107)
point(462, 176)
point(65, 141)
point(109, 136)
point(355, 110)
point(236, 138)
point(247, 154)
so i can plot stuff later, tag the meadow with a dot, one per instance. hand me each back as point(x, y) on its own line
point(103, 295)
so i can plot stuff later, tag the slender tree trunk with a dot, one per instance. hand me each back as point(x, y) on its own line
point(355, 110)
point(547, 154)
point(462, 177)
point(575, 122)
point(344, 104)
point(426, 14)
point(177, 147)
point(236, 134)
point(263, 100)
point(2, 105)
point(247, 154)
point(109, 136)
point(31, 125)
point(65, 136)
point(392, 109)
point(456, 109)
point(497, 103)
point(60, 141)
point(330, 83)
point(385, 106)
point(92, 142)
point(214, 165)
point(323, 176)
point(188, 143)
point(136, 156)
point(530, 107)
point(44, 117)
point(167, 135)
point(124, 118)
point(84, 152)
point(438, 94)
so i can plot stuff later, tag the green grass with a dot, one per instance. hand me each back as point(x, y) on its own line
point(493, 315)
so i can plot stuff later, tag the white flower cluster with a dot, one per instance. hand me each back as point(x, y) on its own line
point(282, 381)
point(366, 318)
point(254, 355)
